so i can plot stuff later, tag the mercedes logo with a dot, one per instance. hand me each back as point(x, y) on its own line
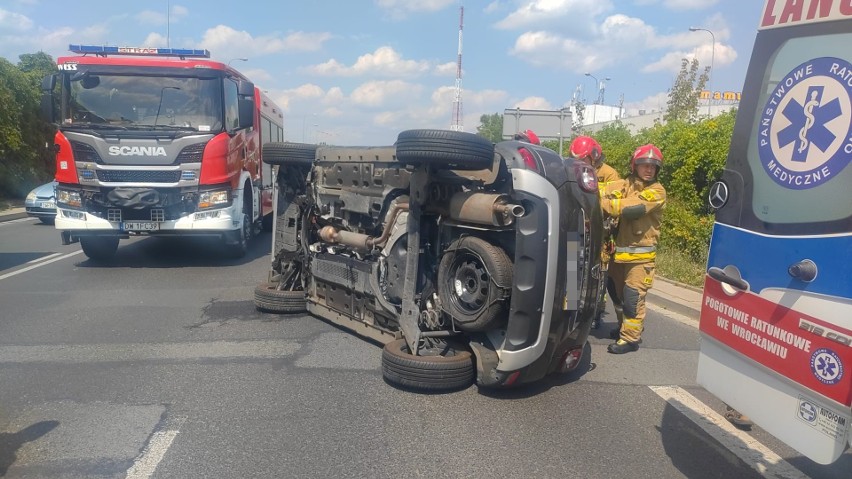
point(718, 195)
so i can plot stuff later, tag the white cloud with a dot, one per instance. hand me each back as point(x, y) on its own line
point(403, 8)
point(380, 93)
point(680, 4)
point(385, 61)
point(446, 69)
point(225, 42)
point(334, 96)
point(533, 103)
point(576, 15)
point(14, 21)
point(155, 17)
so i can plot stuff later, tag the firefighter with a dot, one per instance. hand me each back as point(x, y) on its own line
point(585, 148)
point(638, 203)
point(527, 136)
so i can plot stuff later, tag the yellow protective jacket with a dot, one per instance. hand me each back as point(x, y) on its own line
point(639, 208)
point(607, 174)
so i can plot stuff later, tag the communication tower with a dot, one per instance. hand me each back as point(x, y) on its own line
point(458, 123)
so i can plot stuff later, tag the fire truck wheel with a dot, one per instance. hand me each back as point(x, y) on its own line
point(474, 280)
point(239, 248)
point(441, 367)
point(269, 299)
point(281, 153)
point(99, 248)
point(444, 149)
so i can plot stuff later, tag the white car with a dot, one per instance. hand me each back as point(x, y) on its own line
point(41, 203)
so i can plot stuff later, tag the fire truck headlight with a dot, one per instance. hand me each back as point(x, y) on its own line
point(214, 199)
point(69, 198)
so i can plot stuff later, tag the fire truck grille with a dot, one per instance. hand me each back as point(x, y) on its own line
point(139, 176)
point(191, 154)
point(84, 152)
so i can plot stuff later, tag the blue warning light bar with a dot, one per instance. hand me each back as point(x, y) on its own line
point(148, 51)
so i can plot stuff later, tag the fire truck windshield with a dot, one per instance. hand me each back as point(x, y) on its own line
point(131, 102)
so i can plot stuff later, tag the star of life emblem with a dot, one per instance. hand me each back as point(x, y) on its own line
point(805, 130)
point(826, 366)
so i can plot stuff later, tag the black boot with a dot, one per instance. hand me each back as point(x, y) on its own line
point(621, 346)
point(615, 333)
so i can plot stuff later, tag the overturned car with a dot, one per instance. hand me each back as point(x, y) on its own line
point(467, 260)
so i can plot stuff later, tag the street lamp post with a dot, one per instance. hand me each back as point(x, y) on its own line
point(600, 98)
point(237, 59)
point(712, 57)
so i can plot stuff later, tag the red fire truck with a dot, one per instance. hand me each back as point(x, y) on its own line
point(158, 141)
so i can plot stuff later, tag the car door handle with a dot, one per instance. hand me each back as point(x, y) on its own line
point(720, 275)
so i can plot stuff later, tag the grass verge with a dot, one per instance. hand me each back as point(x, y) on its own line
point(675, 265)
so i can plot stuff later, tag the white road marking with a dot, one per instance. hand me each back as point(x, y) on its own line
point(39, 265)
point(146, 463)
point(19, 220)
point(751, 451)
point(43, 258)
point(185, 351)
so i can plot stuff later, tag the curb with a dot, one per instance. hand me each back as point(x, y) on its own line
point(672, 305)
point(12, 216)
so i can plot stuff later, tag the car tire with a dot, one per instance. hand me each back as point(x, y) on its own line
point(269, 299)
point(99, 248)
point(47, 220)
point(444, 149)
point(285, 153)
point(449, 371)
point(474, 281)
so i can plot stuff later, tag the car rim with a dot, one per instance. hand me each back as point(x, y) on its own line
point(470, 283)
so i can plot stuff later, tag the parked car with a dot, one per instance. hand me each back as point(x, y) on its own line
point(467, 260)
point(41, 203)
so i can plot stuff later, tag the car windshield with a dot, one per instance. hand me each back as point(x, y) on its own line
point(130, 102)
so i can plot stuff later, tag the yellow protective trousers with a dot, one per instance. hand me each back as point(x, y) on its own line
point(631, 282)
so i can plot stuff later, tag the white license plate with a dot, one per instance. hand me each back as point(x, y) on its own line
point(140, 226)
point(48, 205)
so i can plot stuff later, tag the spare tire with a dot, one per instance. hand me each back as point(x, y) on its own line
point(444, 149)
point(285, 153)
point(474, 283)
point(269, 299)
point(436, 369)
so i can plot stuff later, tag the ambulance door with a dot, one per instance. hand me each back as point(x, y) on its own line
point(776, 318)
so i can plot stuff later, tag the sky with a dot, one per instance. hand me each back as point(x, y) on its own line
point(357, 72)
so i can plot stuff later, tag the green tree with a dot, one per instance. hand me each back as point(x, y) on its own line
point(683, 96)
point(491, 127)
point(25, 158)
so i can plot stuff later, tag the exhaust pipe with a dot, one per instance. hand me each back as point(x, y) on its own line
point(330, 234)
point(484, 208)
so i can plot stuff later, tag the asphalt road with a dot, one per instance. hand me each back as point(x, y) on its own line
point(158, 365)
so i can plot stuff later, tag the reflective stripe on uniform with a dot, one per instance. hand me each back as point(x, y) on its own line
point(632, 257)
point(616, 206)
point(635, 249)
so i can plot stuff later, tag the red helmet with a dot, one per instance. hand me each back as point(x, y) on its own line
point(646, 154)
point(585, 148)
point(528, 136)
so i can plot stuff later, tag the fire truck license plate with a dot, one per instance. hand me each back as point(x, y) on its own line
point(140, 226)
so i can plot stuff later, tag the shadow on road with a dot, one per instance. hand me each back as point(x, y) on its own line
point(176, 252)
point(11, 442)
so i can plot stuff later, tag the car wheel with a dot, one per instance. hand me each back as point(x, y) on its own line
point(445, 367)
point(99, 248)
point(269, 299)
point(444, 149)
point(48, 220)
point(474, 282)
point(283, 153)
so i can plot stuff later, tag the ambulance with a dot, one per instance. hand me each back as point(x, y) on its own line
point(776, 317)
